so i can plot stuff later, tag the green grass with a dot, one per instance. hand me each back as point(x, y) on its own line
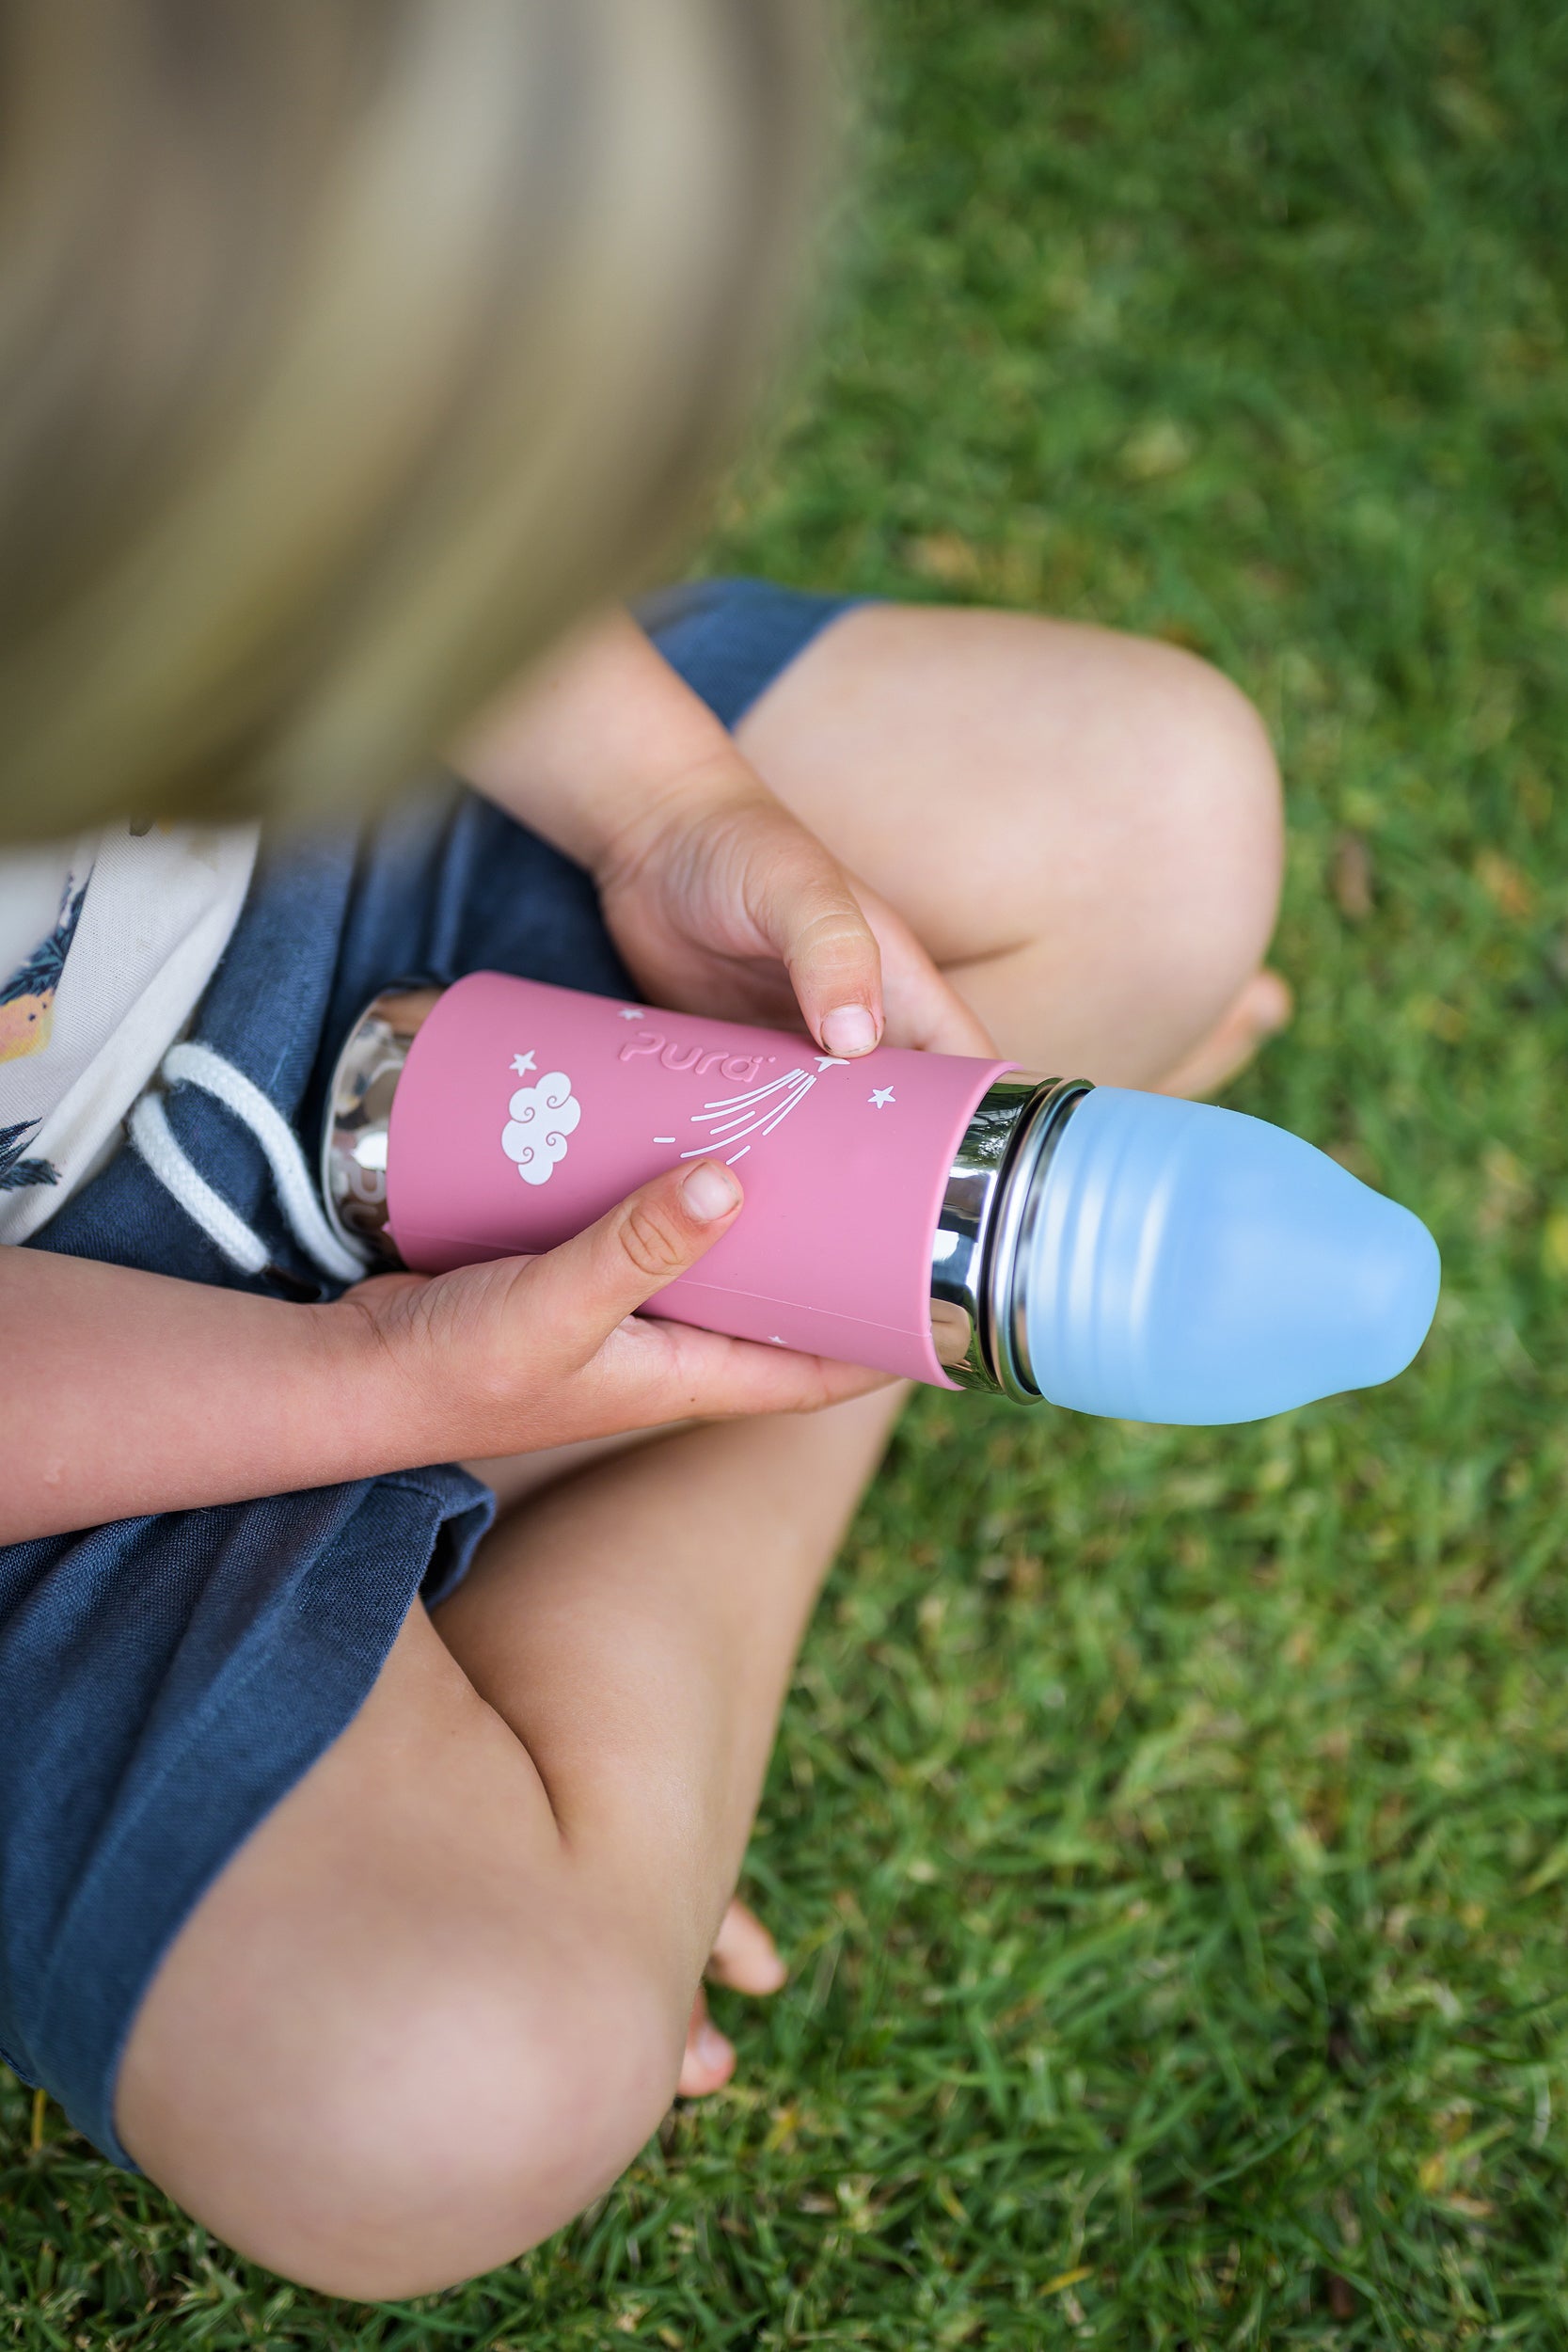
point(1170, 1830)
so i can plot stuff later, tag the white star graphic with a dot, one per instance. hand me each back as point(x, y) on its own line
point(773, 1339)
point(631, 1012)
point(829, 1061)
point(523, 1063)
point(881, 1096)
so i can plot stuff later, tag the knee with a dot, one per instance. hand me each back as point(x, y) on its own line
point(494, 2130)
point(1211, 822)
point(1162, 914)
point(429, 2143)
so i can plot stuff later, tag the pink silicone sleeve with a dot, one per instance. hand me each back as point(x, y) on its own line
point(526, 1111)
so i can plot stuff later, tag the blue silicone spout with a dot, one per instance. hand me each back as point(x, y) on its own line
point(1191, 1264)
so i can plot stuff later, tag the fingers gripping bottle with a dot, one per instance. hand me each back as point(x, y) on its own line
point(956, 1220)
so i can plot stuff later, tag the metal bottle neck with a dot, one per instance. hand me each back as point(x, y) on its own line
point(984, 1231)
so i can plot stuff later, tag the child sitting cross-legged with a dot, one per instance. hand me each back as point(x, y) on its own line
point(380, 1727)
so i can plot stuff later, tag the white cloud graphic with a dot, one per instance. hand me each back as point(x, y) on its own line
point(541, 1117)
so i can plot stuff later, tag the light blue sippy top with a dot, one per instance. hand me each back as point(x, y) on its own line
point(1191, 1264)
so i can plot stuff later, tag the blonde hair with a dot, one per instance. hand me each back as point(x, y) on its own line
point(348, 350)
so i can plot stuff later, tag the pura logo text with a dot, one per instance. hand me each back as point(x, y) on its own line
point(739, 1068)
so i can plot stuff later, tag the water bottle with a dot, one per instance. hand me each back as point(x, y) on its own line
point(958, 1221)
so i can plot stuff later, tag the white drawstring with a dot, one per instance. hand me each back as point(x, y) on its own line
point(154, 1138)
point(198, 1065)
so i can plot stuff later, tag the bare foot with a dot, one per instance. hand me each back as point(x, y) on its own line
point(746, 1958)
point(1264, 1006)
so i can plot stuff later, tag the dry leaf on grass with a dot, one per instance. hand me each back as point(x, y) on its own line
point(1509, 891)
point(1350, 876)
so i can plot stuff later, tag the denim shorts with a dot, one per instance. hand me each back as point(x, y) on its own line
point(164, 1681)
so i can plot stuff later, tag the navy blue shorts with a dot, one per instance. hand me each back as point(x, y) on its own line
point(164, 1681)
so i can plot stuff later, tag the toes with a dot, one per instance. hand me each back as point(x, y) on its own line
point(1269, 999)
point(1264, 1006)
point(708, 2060)
point(745, 1956)
point(746, 1959)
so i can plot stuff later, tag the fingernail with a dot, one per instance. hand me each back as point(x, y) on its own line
point(849, 1029)
point(712, 2048)
point(709, 1192)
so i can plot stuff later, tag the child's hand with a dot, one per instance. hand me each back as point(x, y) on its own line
point(233, 1395)
point(721, 902)
point(719, 899)
point(524, 1353)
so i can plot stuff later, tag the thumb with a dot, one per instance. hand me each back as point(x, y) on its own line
point(578, 1292)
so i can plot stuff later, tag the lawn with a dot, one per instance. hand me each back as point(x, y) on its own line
point(1169, 1829)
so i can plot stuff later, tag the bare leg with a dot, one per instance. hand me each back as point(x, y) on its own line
point(1085, 829)
point(439, 1998)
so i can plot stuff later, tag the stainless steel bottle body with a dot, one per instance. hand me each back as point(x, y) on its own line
point(980, 1247)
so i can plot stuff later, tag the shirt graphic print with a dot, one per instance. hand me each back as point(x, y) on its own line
point(107, 944)
point(26, 1023)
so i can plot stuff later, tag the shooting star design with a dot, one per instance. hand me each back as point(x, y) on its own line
point(757, 1112)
